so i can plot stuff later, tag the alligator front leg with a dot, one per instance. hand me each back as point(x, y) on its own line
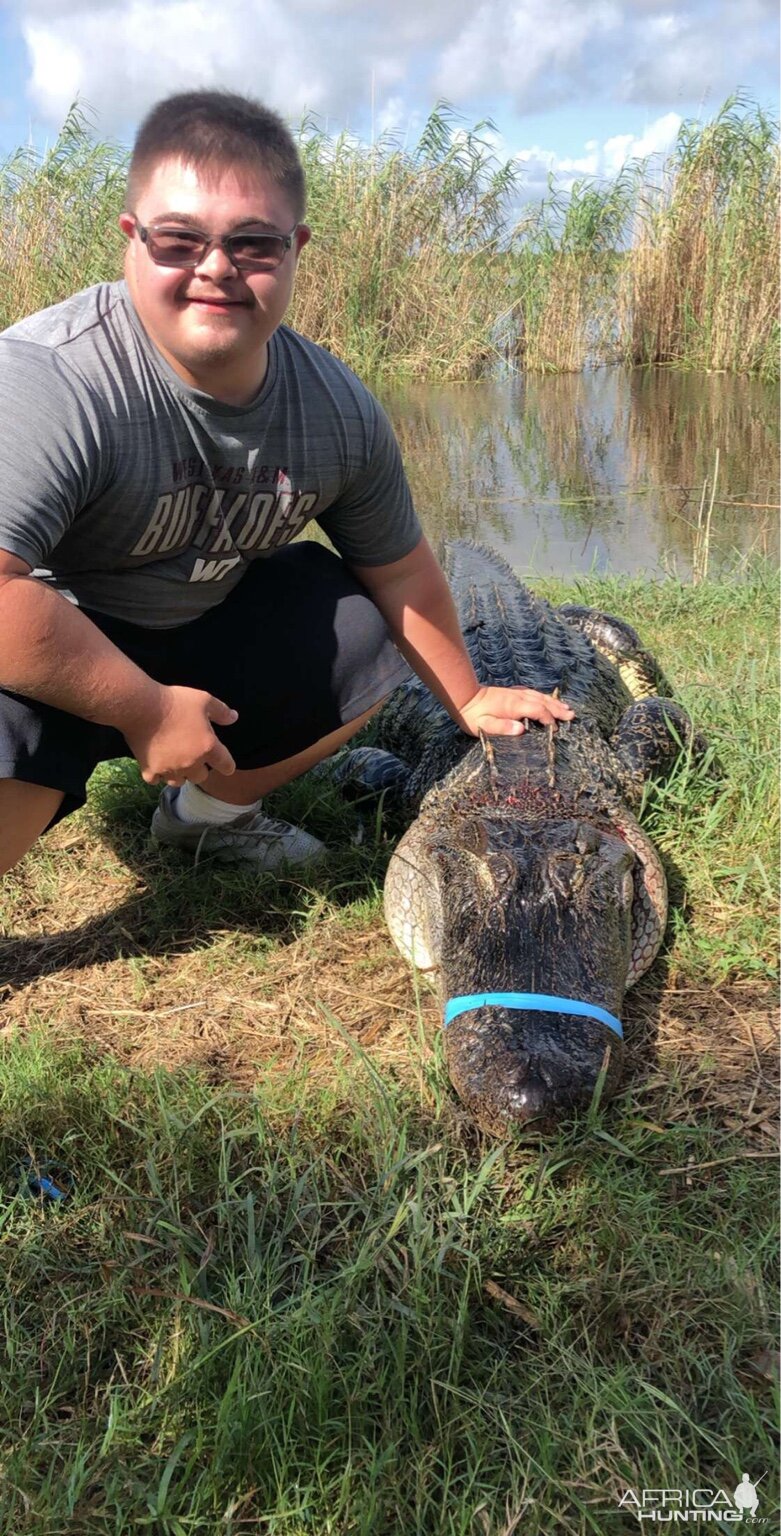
point(620, 643)
point(652, 734)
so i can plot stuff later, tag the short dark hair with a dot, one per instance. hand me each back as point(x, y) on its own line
point(214, 130)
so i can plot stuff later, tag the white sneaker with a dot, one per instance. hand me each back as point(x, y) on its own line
point(252, 838)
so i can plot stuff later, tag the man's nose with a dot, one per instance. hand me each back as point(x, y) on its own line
point(217, 264)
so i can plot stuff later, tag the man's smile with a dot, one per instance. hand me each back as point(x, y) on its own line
point(216, 303)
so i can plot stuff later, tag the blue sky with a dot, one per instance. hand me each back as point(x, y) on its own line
point(575, 86)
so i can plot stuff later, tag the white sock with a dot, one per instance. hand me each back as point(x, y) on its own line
point(192, 804)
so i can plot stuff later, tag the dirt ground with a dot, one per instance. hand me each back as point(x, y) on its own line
point(208, 998)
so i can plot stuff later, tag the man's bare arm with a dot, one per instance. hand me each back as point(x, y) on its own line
point(52, 652)
point(414, 599)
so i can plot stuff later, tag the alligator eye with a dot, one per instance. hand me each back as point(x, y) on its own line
point(441, 852)
point(502, 868)
point(586, 838)
point(474, 837)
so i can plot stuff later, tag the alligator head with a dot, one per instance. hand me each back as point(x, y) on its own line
point(518, 893)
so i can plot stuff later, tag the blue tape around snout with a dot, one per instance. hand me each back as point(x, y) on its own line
point(533, 1000)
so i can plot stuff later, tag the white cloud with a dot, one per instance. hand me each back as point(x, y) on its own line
point(698, 50)
point(121, 59)
point(395, 119)
point(535, 51)
point(657, 139)
point(52, 59)
point(602, 161)
point(323, 55)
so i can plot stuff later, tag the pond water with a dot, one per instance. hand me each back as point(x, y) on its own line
point(603, 470)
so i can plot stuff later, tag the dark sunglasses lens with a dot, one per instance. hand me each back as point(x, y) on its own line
point(175, 247)
point(185, 248)
point(256, 250)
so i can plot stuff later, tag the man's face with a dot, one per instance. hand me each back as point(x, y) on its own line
point(212, 322)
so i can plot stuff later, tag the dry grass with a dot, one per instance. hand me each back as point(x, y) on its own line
point(212, 1000)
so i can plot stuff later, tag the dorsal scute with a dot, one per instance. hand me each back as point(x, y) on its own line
point(516, 639)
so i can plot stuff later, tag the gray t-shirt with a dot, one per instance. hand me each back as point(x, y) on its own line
point(144, 499)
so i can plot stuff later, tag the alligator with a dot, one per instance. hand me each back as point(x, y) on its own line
point(525, 885)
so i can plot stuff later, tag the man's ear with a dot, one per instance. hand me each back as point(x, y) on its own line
point(303, 236)
point(127, 224)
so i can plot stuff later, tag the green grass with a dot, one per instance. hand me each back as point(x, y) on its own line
point(240, 1322)
point(325, 1304)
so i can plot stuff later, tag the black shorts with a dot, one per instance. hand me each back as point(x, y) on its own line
point(297, 647)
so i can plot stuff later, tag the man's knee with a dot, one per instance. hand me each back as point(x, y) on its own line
point(25, 812)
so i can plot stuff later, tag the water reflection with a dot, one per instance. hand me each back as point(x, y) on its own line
point(600, 470)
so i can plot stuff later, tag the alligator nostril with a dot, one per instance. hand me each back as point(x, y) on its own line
point(532, 1098)
point(513, 1072)
point(540, 1093)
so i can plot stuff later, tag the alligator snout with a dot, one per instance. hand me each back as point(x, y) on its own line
point(512, 1068)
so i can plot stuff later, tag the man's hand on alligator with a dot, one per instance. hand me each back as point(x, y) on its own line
point(503, 711)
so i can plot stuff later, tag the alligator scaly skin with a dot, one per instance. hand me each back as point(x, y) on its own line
point(515, 639)
point(524, 869)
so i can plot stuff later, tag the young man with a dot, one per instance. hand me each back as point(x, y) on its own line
point(163, 439)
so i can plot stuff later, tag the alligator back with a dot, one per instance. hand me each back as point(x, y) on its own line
point(514, 639)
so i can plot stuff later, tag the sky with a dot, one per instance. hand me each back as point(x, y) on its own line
point(576, 87)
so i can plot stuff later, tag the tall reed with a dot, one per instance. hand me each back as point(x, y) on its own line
point(406, 275)
point(701, 286)
point(562, 263)
point(416, 268)
point(58, 219)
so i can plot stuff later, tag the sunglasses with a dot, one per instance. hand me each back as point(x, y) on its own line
point(169, 247)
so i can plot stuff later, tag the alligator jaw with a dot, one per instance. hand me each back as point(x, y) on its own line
point(514, 1067)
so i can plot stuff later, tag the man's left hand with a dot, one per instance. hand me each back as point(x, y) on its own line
point(503, 711)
